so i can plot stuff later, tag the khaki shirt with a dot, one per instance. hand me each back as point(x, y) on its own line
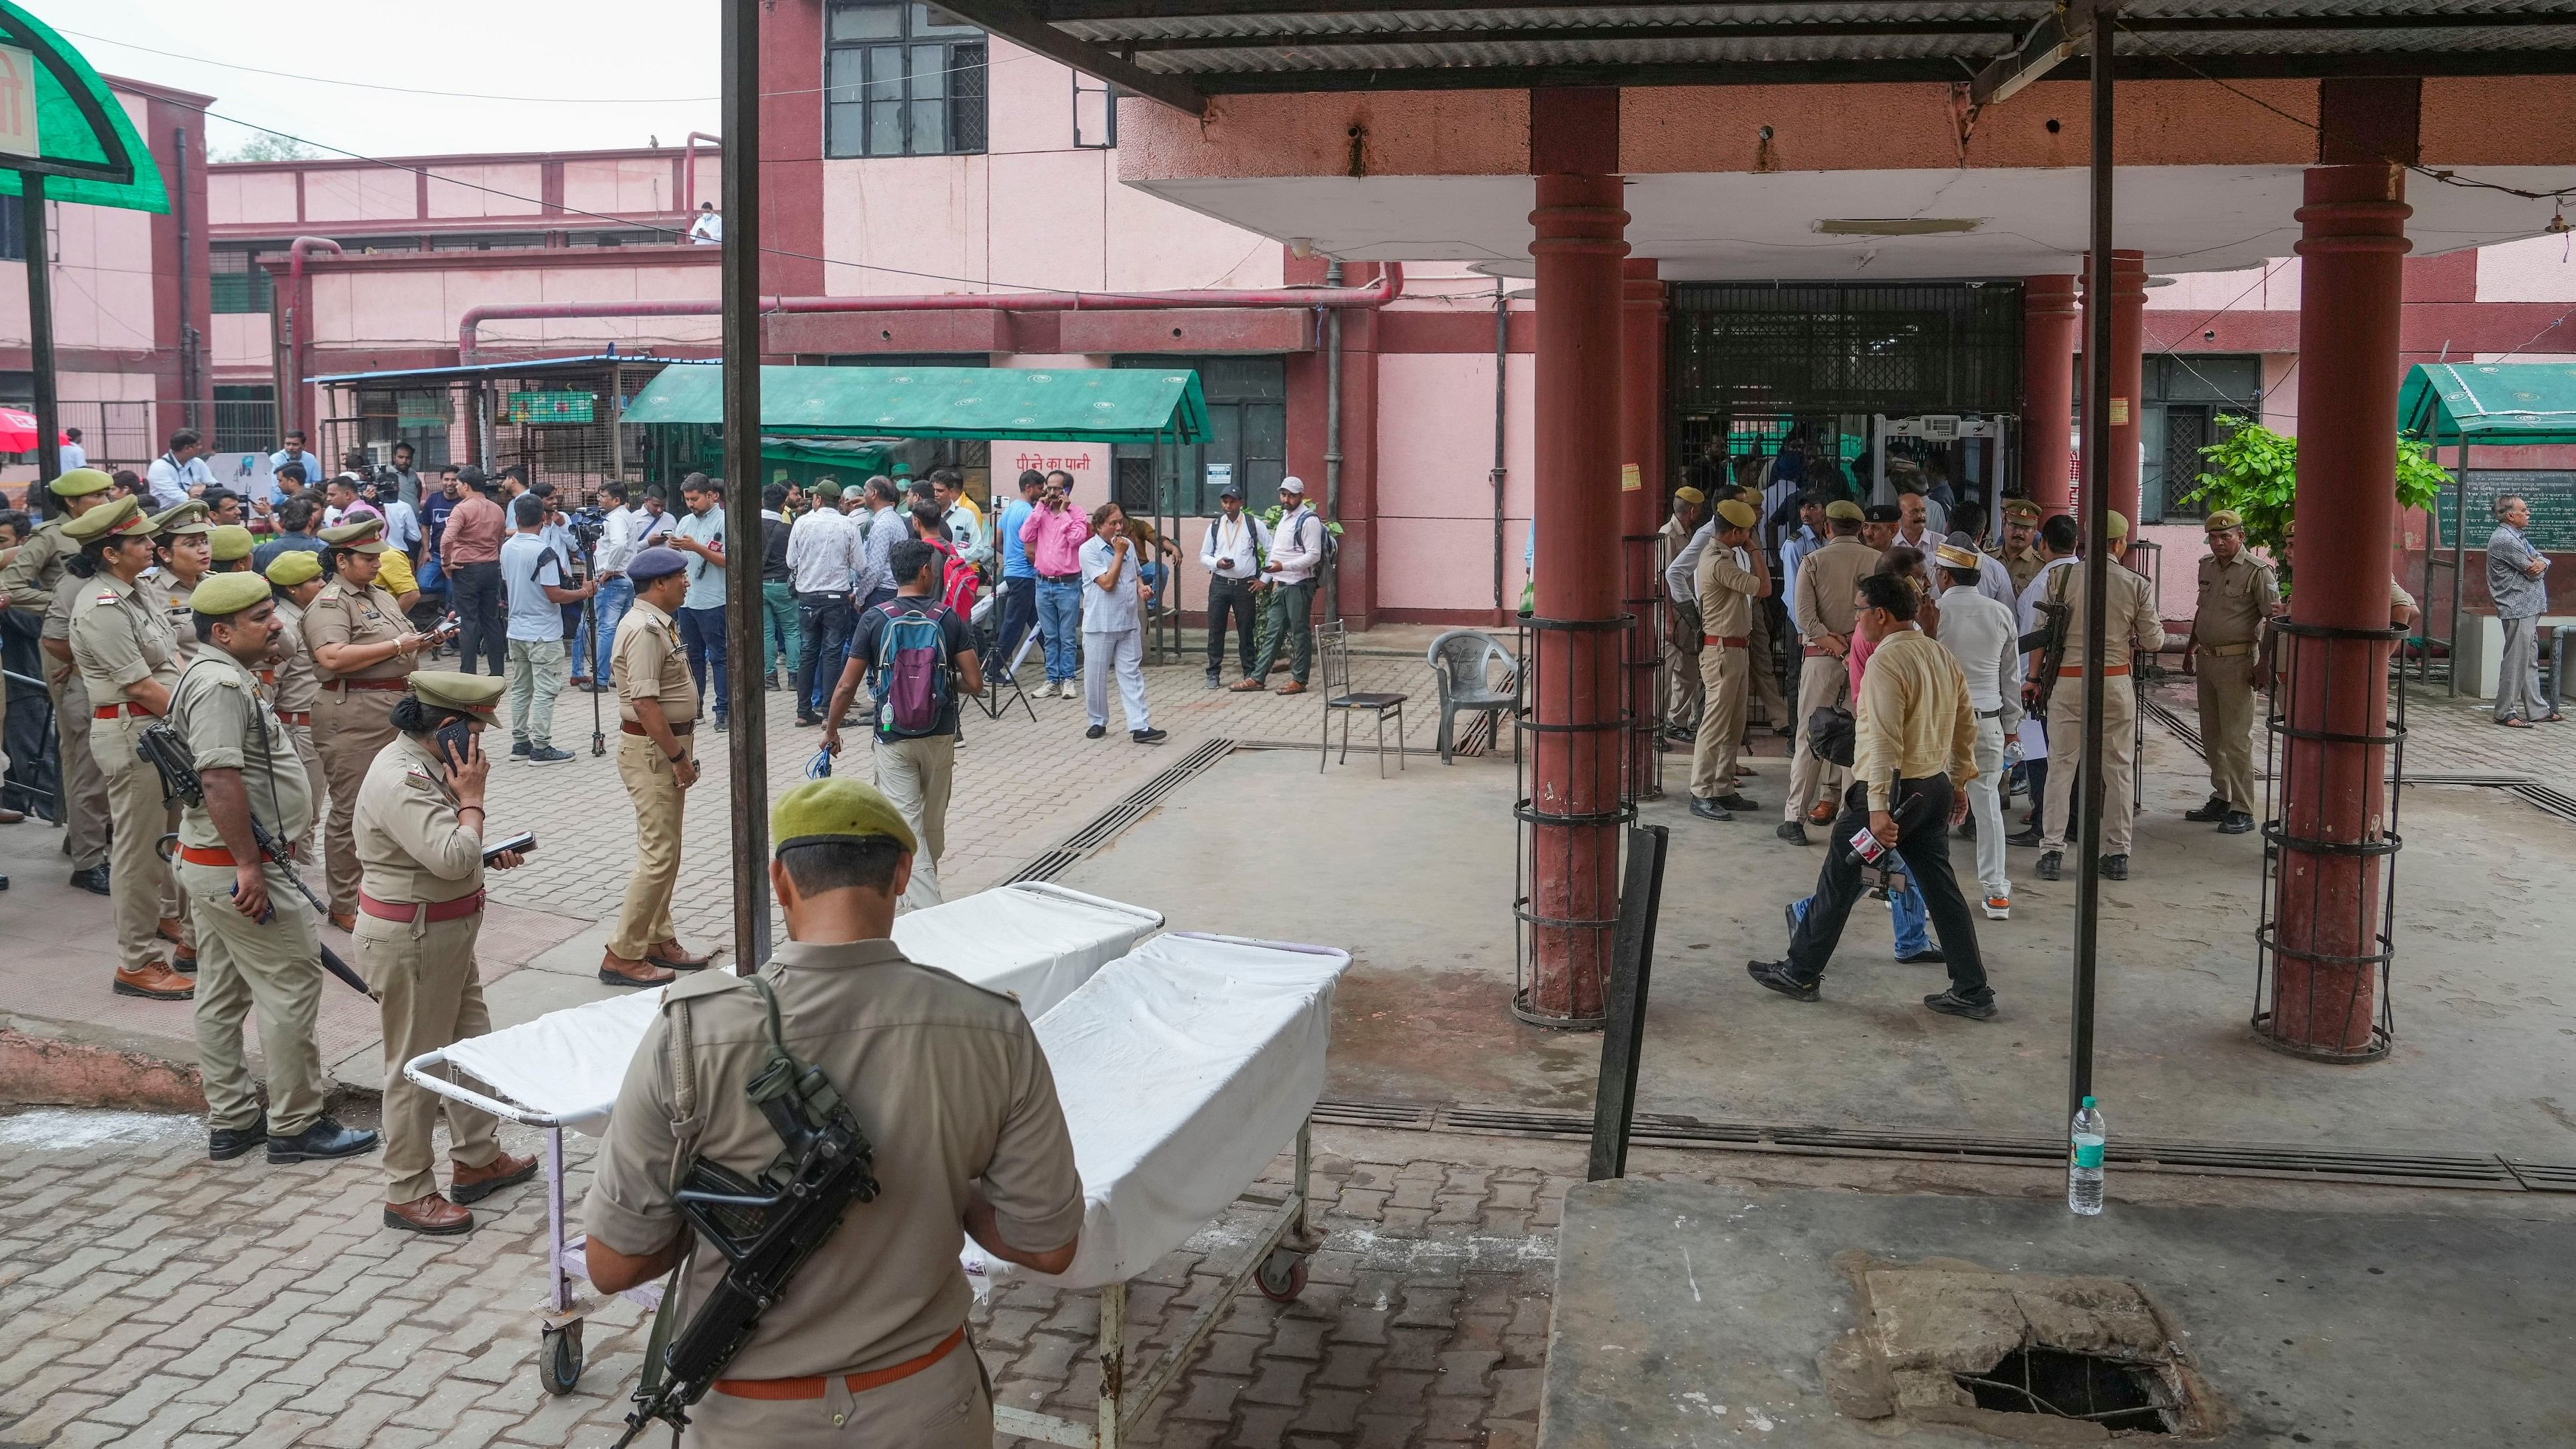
point(1827, 579)
point(646, 662)
point(171, 597)
point(2132, 625)
point(1726, 593)
point(949, 1084)
point(29, 578)
point(2023, 566)
point(2236, 597)
point(295, 689)
point(411, 845)
point(119, 637)
point(217, 707)
point(345, 614)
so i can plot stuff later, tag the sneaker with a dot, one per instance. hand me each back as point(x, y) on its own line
point(1792, 832)
point(548, 755)
point(1149, 737)
point(1998, 908)
point(2050, 863)
point(1214, 683)
point(520, 749)
point(1951, 1003)
point(723, 721)
point(1095, 732)
point(1775, 975)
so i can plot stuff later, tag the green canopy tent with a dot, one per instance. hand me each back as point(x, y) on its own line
point(2489, 404)
point(63, 137)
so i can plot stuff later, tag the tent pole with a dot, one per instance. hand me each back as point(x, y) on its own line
point(745, 623)
point(40, 326)
point(2459, 560)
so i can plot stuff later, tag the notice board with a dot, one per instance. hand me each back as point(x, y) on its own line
point(2552, 496)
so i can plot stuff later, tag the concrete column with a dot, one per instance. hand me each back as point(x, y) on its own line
point(2049, 311)
point(1641, 504)
point(2128, 341)
point(1577, 749)
point(2324, 996)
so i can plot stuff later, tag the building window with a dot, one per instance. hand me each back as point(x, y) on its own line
point(1095, 114)
point(1247, 402)
point(2182, 397)
point(239, 282)
point(13, 229)
point(902, 80)
point(245, 416)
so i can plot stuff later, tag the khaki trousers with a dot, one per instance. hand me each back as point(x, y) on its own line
point(2227, 726)
point(141, 888)
point(275, 969)
point(1764, 669)
point(84, 787)
point(1823, 681)
point(429, 996)
point(2066, 756)
point(916, 775)
point(1684, 694)
point(316, 781)
point(1722, 673)
point(350, 730)
point(645, 920)
point(945, 1406)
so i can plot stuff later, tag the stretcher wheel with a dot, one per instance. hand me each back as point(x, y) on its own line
point(559, 1358)
point(1281, 1276)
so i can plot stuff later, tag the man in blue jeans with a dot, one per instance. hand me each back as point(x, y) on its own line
point(1054, 533)
point(701, 535)
point(1019, 601)
point(619, 532)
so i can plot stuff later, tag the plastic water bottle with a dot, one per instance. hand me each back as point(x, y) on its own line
point(2084, 1160)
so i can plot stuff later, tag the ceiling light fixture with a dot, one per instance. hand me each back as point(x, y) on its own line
point(1899, 225)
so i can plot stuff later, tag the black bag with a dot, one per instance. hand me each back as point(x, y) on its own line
point(1830, 734)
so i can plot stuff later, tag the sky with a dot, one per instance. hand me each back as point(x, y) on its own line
point(586, 73)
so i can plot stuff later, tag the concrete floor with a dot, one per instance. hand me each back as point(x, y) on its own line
point(1413, 874)
point(1694, 1315)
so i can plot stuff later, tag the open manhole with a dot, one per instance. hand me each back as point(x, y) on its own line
point(2022, 1356)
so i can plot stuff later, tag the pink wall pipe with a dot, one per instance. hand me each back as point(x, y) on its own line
point(299, 324)
point(689, 170)
point(1388, 287)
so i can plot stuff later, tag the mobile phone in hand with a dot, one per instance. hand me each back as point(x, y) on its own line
point(523, 842)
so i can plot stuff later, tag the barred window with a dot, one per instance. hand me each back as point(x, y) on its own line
point(239, 283)
point(902, 80)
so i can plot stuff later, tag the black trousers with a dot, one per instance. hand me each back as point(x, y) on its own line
point(2036, 772)
point(1924, 842)
point(824, 620)
point(1231, 597)
point(1019, 620)
point(475, 592)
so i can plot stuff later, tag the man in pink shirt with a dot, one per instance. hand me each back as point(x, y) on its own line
point(1053, 534)
point(470, 551)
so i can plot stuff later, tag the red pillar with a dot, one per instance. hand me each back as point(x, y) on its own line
point(2128, 341)
point(2352, 246)
point(2049, 311)
point(1641, 504)
point(1576, 750)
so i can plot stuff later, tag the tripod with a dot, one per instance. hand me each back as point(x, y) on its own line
point(598, 684)
point(987, 638)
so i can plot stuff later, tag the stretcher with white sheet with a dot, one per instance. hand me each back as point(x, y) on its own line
point(1184, 1065)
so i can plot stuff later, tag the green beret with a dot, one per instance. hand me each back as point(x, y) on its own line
point(232, 541)
point(293, 567)
point(837, 808)
point(358, 537)
point(218, 595)
point(125, 515)
point(1845, 509)
point(188, 517)
point(472, 693)
point(80, 483)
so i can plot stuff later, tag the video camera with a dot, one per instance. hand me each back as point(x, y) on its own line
point(587, 524)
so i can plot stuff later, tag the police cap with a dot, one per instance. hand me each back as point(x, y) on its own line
point(222, 595)
point(1690, 495)
point(124, 516)
point(1737, 513)
point(2223, 520)
point(1881, 513)
point(188, 517)
point(232, 541)
point(1846, 510)
point(655, 563)
point(837, 809)
point(2020, 508)
point(80, 483)
point(357, 537)
point(475, 694)
point(295, 566)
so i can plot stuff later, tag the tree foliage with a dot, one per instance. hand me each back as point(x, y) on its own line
point(2254, 471)
point(269, 146)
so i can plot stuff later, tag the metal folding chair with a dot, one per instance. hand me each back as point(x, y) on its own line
point(1333, 650)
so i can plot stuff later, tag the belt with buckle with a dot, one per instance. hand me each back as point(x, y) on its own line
point(629, 726)
point(302, 717)
point(2225, 651)
point(2076, 671)
point(206, 855)
point(1996, 713)
point(345, 685)
point(814, 1386)
point(111, 711)
point(409, 911)
point(1062, 578)
point(1722, 641)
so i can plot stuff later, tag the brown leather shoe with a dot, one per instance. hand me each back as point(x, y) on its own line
point(1291, 687)
point(171, 930)
point(155, 982)
point(433, 1215)
point(672, 954)
point(473, 1184)
point(349, 922)
point(183, 959)
point(11, 817)
point(617, 970)
point(1823, 814)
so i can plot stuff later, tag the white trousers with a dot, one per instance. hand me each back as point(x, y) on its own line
point(1986, 803)
point(1124, 654)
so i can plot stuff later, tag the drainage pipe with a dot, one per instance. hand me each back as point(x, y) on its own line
point(1502, 353)
point(1332, 444)
point(689, 175)
point(299, 313)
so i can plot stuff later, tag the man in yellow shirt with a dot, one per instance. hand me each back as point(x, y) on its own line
point(1913, 752)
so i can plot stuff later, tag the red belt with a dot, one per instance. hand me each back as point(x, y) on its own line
point(2076, 671)
point(111, 711)
point(631, 727)
point(206, 855)
point(302, 717)
point(455, 910)
point(813, 1387)
point(268, 676)
point(345, 685)
point(1812, 652)
point(1722, 641)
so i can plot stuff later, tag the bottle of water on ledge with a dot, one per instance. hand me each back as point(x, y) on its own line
point(2084, 1160)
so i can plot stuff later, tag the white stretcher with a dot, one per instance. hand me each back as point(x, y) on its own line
point(1038, 941)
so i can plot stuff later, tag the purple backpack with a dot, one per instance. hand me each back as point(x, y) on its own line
point(912, 672)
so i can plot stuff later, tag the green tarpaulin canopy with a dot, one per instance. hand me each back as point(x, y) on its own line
point(2499, 403)
point(1083, 405)
point(85, 142)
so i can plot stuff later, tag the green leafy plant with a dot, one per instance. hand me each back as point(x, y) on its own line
point(2254, 471)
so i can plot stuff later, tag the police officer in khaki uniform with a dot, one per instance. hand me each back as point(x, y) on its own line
point(262, 947)
point(657, 717)
point(35, 581)
point(1683, 698)
point(1727, 589)
point(122, 645)
point(2238, 595)
point(1828, 581)
point(183, 550)
point(420, 828)
point(232, 545)
point(363, 651)
point(2130, 628)
point(294, 579)
point(868, 1344)
point(2019, 553)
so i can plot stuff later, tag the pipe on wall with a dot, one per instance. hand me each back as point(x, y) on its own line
point(299, 324)
point(1502, 354)
point(689, 171)
point(1332, 441)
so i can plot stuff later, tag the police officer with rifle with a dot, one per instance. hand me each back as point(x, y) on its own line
point(809, 1149)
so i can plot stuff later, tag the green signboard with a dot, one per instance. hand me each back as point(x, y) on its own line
point(551, 407)
point(2552, 496)
point(59, 120)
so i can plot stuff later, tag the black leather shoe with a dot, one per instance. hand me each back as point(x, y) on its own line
point(1775, 975)
point(1095, 732)
point(2115, 867)
point(2208, 812)
point(2236, 823)
point(1739, 801)
point(1707, 809)
point(1966, 829)
point(1792, 832)
point(324, 1140)
point(92, 880)
point(1951, 1003)
point(2025, 838)
point(1149, 737)
point(226, 1143)
point(2050, 863)
point(1928, 956)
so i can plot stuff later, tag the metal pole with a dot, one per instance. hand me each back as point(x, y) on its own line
point(188, 339)
point(2459, 562)
point(746, 627)
point(40, 329)
point(1332, 442)
point(1502, 338)
point(2097, 575)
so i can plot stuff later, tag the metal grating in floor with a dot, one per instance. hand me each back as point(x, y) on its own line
point(1106, 826)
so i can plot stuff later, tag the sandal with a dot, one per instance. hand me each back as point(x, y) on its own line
point(2551, 718)
point(2515, 724)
